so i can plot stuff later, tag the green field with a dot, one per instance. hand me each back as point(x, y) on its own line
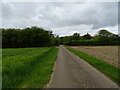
point(27, 67)
point(111, 71)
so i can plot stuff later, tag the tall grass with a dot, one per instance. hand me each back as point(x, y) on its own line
point(19, 64)
point(109, 70)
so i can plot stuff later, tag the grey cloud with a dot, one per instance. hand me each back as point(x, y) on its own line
point(60, 16)
point(6, 11)
point(96, 14)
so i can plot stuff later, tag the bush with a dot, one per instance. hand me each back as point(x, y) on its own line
point(91, 43)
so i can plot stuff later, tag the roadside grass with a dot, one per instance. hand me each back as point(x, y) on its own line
point(40, 76)
point(27, 67)
point(109, 70)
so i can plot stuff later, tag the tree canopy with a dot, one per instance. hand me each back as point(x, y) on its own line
point(103, 37)
point(105, 33)
point(39, 37)
point(28, 37)
point(87, 36)
point(76, 36)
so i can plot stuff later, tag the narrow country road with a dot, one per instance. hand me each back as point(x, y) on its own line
point(72, 72)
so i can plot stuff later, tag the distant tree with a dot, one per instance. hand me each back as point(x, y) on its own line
point(106, 37)
point(66, 39)
point(57, 40)
point(96, 37)
point(105, 33)
point(87, 36)
point(76, 36)
point(61, 40)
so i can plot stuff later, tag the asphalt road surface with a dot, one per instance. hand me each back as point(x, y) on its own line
point(73, 72)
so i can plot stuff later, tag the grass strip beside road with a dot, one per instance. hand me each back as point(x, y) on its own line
point(41, 74)
point(109, 70)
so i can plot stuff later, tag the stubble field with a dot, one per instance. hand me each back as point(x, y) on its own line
point(108, 54)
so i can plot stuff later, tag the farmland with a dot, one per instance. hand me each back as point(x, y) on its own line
point(108, 54)
point(27, 67)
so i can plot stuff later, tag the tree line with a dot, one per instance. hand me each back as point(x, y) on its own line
point(28, 37)
point(103, 37)
point(39, 37)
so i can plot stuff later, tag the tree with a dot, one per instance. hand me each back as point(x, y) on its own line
point(28, 37)
point(87, 36)
point(96, 37)
point(76, 36)
point(65, 40)
point(57, 40)
point(105, 33)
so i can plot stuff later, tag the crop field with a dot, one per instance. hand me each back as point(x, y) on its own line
point(27, 67)
point(108, 54)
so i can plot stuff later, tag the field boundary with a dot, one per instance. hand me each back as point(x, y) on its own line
point(46, 86)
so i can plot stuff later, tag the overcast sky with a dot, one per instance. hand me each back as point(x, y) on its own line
point(60, 17)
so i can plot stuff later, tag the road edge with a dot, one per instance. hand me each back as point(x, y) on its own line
point(51, 77)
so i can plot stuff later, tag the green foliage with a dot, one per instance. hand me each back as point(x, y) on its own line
point(28, 37)
point(27, 67)
point(57, 40)
point(92, 43)
point(65, 40)
point(109, 70)
point(87, 36)
point(105, 33)
point(76, 36)
point(103, 37)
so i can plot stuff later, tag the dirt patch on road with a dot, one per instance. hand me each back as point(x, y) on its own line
point(106, 53)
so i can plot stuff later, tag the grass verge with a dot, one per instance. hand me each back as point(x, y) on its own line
point(27, 67)
point(109, 70)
